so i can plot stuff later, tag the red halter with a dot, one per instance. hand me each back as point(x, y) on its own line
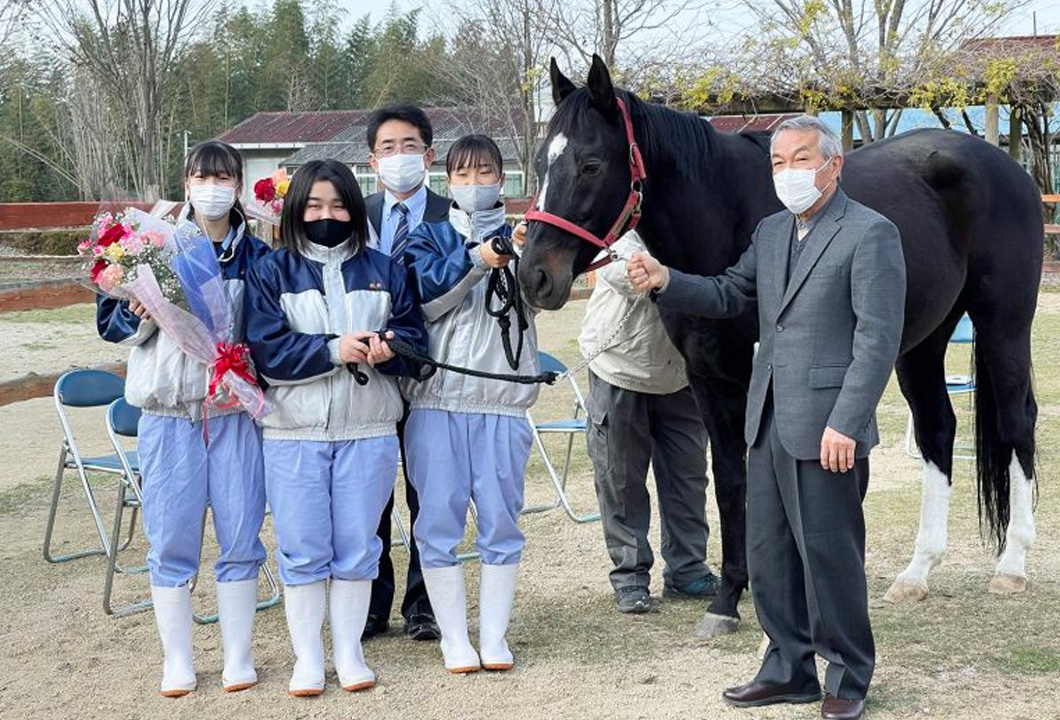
point(630, 215)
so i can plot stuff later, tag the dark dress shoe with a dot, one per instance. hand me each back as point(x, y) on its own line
point(375, 625)
point(757, 694)
point(422, 627)
point(834, 708)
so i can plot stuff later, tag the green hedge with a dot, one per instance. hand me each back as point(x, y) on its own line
point(45, 242)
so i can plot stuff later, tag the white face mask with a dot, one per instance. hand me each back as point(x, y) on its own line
point(212, 201)
point(797, 189)
point(475, 198)
point(402, 173)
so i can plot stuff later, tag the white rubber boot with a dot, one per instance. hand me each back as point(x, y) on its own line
point(445, 587)
point(305, 606)
point(236, 607)
point(349, 612)
point(173, 617)
point(496, 592)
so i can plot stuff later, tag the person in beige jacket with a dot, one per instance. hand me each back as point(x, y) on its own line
point(641, 410)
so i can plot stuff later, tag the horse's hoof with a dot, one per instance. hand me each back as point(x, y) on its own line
point(903, 591)
point(1003, 584)
point(714, 625)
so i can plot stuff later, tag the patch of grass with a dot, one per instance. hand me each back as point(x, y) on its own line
point(1025, 659)
point(74, 314)
point(25, 496)
point(37, 345)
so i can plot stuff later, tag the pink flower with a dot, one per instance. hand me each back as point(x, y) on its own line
point(110, 278)
point(97, 251)
point(83, 247)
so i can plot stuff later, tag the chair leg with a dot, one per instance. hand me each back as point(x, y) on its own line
point(559, 483)
point(911, 448)
point(113, 567)
point(53, 511)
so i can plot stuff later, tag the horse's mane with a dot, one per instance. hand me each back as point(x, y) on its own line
point(683, 138)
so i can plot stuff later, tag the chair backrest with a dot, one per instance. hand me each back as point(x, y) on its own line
point(89, 388)
point(123, 418)
point(550, 363)
point(964, 333)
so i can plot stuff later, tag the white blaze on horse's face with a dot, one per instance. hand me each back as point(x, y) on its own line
point(555, 149)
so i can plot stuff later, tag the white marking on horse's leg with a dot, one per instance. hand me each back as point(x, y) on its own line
point(555, 148)
point(912, 583)
point(1011, 573)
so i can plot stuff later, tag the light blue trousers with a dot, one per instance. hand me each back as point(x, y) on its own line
point(454, 458)
point(181, 475)
point(327, 499)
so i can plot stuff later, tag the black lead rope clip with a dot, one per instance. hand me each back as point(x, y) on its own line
point(359, 375)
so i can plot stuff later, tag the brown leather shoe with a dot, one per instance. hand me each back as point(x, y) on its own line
point(834, 708)
point(756, 694)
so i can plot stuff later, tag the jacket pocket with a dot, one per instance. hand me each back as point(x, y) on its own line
point(827, 376)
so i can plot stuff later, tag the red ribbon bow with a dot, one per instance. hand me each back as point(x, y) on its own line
point(231, 358)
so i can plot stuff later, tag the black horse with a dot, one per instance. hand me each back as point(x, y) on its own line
point(971, 225)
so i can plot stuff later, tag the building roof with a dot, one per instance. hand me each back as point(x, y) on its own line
point(748, 123)
point(291, 128)
point(1012, 45)
point(350, 145)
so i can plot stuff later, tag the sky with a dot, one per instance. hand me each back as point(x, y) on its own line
point(1021, 23)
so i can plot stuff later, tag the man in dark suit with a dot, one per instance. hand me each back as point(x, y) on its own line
point(399, 138)
point(828, 278)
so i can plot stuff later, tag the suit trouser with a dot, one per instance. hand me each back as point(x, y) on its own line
point(806, 558)
point(416, 601)
point(627, 430)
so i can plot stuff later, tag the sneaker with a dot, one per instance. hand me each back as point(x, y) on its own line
point(706, 586)
point(635, 599)
point(375, 626)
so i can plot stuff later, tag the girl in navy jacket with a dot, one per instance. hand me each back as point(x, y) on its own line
point(315, 310)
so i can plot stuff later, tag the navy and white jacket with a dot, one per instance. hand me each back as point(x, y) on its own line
point(161, 379)
point(446, 268)
point(297, 307)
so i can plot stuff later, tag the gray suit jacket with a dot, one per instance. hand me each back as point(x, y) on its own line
point(829, 339)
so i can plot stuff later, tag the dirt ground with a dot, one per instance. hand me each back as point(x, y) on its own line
point(959, 654)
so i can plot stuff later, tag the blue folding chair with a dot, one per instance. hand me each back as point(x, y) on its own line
point(574, 426)
point(123, 420)
point(83, 389)
point(956, 385)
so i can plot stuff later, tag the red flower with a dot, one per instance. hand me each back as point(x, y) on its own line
point(114, 234)
point(98, 268)
point(265, 190)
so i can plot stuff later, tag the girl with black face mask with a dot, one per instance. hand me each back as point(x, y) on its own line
point(323, 302)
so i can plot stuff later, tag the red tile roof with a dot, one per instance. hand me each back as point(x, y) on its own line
point(1011, 45)
point(748, 123)
point(292, 128)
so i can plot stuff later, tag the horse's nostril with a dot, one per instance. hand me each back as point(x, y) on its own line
point(544, 283)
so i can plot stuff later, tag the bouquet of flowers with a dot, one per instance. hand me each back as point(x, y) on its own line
point(171, 268)
point(268, 197)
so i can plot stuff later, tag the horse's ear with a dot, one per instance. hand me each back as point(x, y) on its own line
point(561, 85)
point(601, 90)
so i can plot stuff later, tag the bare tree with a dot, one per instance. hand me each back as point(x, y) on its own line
point(497, 64)
point(844, 52)
point(636, 38)
point(129, 48)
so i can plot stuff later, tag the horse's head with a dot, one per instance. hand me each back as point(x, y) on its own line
point(583, 176)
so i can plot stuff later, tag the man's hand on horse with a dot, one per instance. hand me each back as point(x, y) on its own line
point(379, 350)
point(837, 451)
point(491, 257)
point(646, 273)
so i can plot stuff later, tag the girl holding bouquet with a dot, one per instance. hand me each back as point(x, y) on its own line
point(319, 314)
point(468, 438)
point(183, 473)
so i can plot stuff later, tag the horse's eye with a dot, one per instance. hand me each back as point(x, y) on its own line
point(591, 168)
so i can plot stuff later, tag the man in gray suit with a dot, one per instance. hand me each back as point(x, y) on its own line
point(828, 277)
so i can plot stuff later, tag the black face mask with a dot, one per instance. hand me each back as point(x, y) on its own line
point(329, 233)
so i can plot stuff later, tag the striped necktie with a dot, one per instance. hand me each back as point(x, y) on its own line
point(401, 234)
